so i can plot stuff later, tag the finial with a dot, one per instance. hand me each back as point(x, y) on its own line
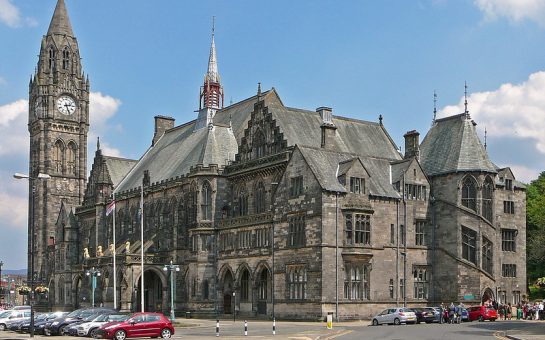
point(380, 119)
point(434, 107)
point(258, 90)
point(465, 98)
point(98, 143)
point(213, 24)
point(485, 137)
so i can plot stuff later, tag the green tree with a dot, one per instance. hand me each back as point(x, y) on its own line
point(535, 228)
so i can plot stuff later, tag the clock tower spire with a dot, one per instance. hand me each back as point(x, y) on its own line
point(58, 124)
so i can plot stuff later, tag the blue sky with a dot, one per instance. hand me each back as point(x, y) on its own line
point(362, 58)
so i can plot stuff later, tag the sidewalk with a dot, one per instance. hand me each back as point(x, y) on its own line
point(534, 331)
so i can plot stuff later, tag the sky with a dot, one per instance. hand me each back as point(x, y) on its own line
point(361, 58)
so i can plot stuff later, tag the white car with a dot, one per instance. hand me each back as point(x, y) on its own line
point(89, 328)
point(395, 316)
point(12, 315)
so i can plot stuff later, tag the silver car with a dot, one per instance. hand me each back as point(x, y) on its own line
point(395, 316)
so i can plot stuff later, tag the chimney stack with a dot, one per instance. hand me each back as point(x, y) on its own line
point(412, 144)
point(162, 123)
point(328, 128)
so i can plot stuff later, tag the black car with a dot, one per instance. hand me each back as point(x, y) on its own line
point(40, 321)
point(424, 314)
point(56, 326)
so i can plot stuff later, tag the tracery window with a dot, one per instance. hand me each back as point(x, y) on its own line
point(260, 198)
point(263, 285)
point(488, 189)
point(259, 144)
point(242, 201)
point(58, 156)
point(206, 203)
point(296, 282)
point(358, 229)
point(51, 59)
point(356, 281)
point(487, 256)
point(421, 282)
point(469, 245)
point(71, 158)
point(296, 230)
point(469, 193)
point(65, 59)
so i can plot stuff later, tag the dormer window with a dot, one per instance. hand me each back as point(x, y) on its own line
point(508, 184)
point(357, 185)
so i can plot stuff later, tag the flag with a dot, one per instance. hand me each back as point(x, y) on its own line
point(110, 207)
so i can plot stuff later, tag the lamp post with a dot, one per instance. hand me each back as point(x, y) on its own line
point(32, 181)
point(9, 290)
point(234, 306)
point(171, 268)
point(1, 281)
point(93, 273)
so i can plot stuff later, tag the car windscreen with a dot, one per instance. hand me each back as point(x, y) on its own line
point(75, 313)
point(5, 314)
point(118, 317)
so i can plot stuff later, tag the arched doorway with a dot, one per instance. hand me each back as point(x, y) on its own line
point(153, 292)
point(263, 290)
point(488, 297)
point(228, 290)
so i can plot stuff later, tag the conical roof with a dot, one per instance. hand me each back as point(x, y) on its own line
point(452, 145)
point(60, 23)
point(212, 74)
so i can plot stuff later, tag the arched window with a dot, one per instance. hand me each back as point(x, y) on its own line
point(242, 201)
point(469, 193)
point(260, 198)
point(488, 190)
point(263, 284)
point(206, 201)
point(58, 156)
point(51, 59)
point(245, 286)
point(71, 156)
point(259, 144)
point(65, 59)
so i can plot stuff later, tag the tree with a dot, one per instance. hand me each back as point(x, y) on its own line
point(535, 228)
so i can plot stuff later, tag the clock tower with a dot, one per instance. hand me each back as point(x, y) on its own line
point(58, 123)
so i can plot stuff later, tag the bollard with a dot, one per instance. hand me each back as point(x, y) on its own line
point(274, 326)
point(245, 328)
point(217, 327)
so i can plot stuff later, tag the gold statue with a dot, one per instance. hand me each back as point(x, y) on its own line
point(99, 251)
point(112, 249)
point(128, 247)
point(86, 253)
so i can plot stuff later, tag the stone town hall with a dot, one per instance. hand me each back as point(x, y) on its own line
point(266, 208)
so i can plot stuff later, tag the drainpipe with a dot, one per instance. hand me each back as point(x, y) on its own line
point(404, 245)
point(337, 255)
point(396, 286)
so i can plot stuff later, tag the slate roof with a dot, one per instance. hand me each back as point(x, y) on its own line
point(452, 145)
point(325, 163)
point(118, 168)
point(398, 168)
point(183, 146)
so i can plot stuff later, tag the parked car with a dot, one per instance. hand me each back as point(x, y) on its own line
point(16, 324)
point(90, 328)
point(40, 325)
point(395, 315)
point(56, 326)
point(12, 315)
point(20, 307)
point(482, 313)
point(437, 314)
point(424, 314)
point(465, 315)
point(72, 329)
point(138, 325)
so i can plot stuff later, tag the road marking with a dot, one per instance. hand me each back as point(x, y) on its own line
point(500, 335)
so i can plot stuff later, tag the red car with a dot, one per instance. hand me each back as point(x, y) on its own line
point(138, 325)
point(482, 313)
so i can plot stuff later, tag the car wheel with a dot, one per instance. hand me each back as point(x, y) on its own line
point(397, 321)
point(61, 330)
point(481, 319)
point(93, 333)
point(2, 327)
point(492, 319)
point(166, 333)
point(120, 335)
point(375, 322)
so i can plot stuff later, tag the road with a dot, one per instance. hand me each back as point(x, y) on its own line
point(206, 329)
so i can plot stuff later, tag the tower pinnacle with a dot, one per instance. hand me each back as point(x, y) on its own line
point(60, 23)
point(211, 96)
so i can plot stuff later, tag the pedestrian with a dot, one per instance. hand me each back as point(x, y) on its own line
point(509, 310)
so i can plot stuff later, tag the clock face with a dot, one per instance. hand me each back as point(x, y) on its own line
point(66, 105)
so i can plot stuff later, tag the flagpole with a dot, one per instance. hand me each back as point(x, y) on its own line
point(114, 255)
point(142, 247)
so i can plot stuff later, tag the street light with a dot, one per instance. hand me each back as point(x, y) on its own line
point(234, 306)
point(32, 181)
point(171, 268)
point(93, 273)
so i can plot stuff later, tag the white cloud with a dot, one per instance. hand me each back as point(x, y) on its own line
point(513, 10)
point(9, 14)
point(13, 120)
point(514, 111)
point(3, 81)
point(101, 109)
